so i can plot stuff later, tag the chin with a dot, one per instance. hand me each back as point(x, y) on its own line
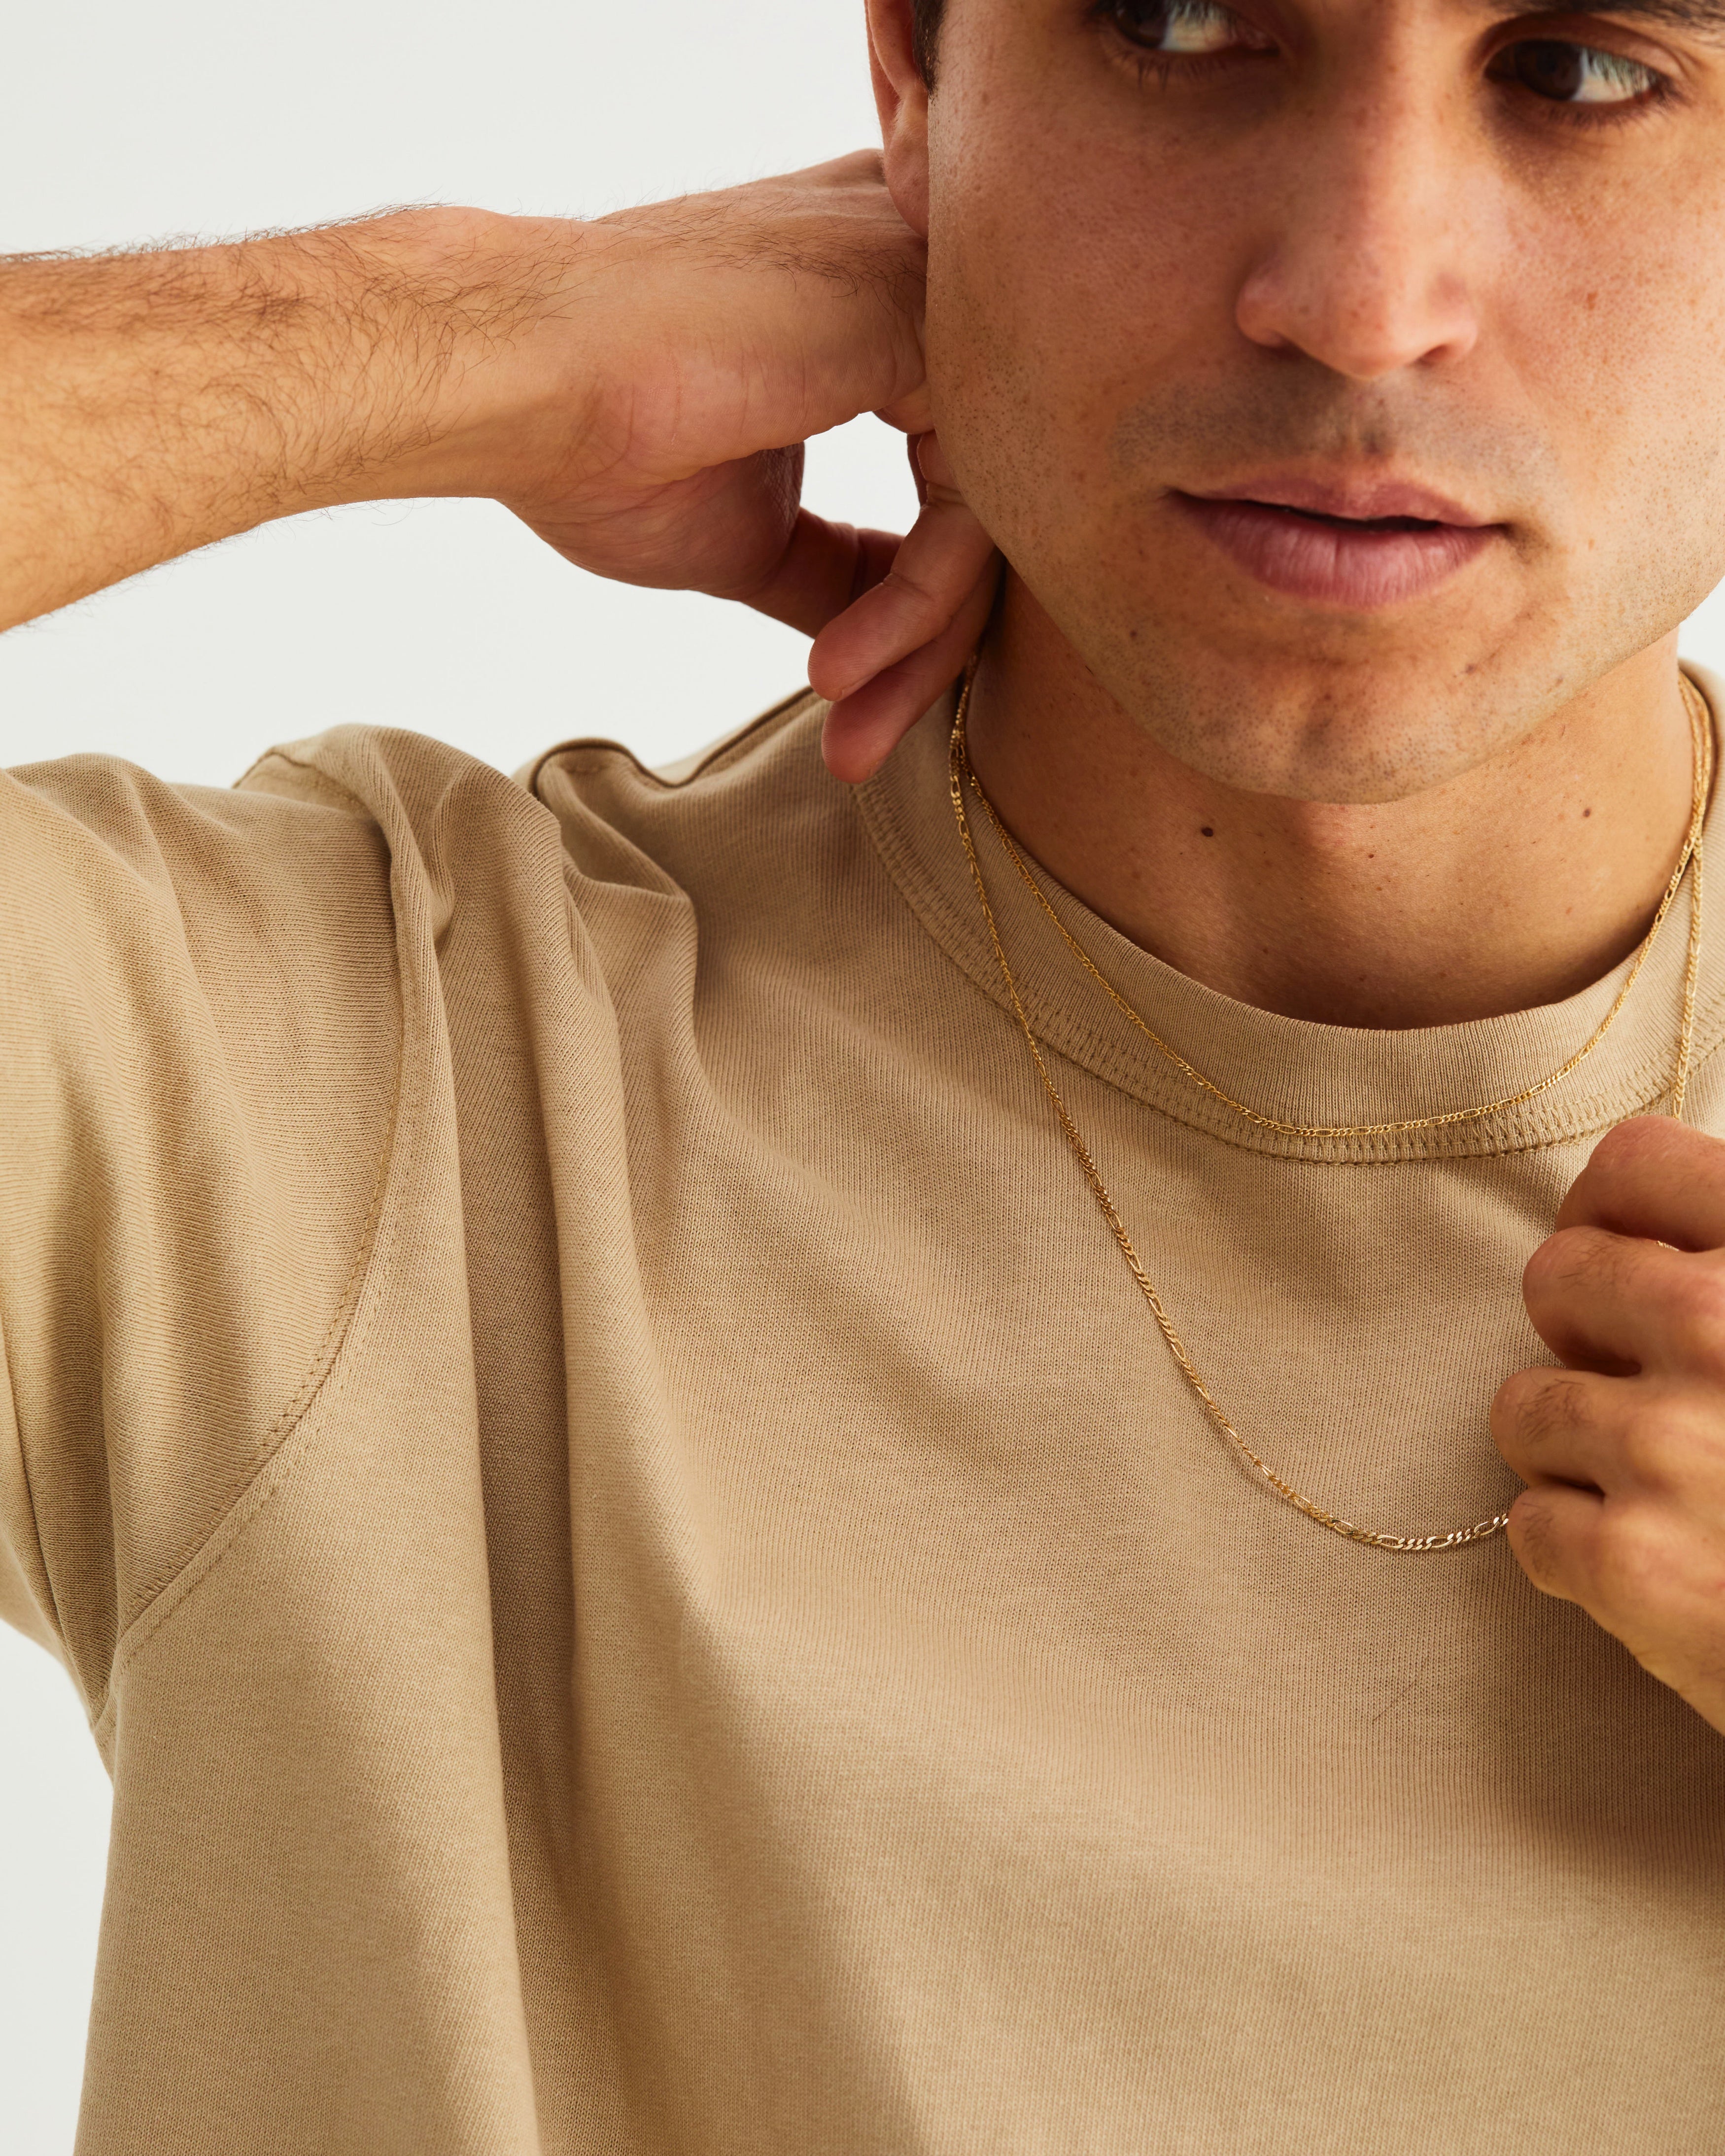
point(1378, 727)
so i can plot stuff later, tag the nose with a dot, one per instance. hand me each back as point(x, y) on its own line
point(1366, 267)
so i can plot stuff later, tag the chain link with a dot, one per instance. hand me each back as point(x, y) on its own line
point(1701, 734)
point(962, 779)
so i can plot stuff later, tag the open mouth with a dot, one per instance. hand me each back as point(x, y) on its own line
point(1326, 557)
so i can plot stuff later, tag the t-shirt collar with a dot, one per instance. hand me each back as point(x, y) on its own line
point(1288, 1068)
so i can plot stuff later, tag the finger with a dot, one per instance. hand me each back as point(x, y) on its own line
point(1617, 1304)
point(1620, 1436)
point(1655, 1178)
point(824, 569)
point(1555, 1532)
point(912, 415)
point(919, 478)
point(1555, 1425)
point(735, 531)
point(936, 573)
point(827, 568)
point(931, 467)
point(1639, 1569)
point(863, 729)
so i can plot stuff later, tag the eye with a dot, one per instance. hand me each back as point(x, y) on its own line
point(1180, 27)
point(1564, 74)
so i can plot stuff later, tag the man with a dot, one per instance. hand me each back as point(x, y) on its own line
point(684, 1435)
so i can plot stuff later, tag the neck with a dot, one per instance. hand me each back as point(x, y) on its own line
point(1518, 884)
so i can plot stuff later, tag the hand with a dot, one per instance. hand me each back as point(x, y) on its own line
point(638, 389)
point(702, 343)
point(1624, 1448)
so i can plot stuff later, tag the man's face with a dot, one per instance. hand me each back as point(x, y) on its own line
point(1215, 291)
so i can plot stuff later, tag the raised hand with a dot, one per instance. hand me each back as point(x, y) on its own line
point(1624, 1448)
point(713, 336)
point(638, 389)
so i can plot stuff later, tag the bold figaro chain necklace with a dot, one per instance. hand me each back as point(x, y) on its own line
point(964, 779)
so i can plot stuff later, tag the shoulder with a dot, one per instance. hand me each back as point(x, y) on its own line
point(294, 890)
point(243, 926)
point(754, 816)
point(93, 846)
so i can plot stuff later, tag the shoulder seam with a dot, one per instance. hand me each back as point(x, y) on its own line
point(280, 1454)
point(720, 753)
point(278, 1461)
point(41, 1584)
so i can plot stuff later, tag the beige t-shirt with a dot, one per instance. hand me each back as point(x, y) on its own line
point(645, 1579)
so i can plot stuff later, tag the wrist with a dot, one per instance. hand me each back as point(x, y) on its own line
point(427, 363)
point(151, 403)
point(473, 374)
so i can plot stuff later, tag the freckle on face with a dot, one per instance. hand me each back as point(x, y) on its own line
point(1089, 248)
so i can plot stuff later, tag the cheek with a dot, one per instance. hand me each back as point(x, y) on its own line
point(1611, 328)
point(1055, 299)
point(1083, 289)
point(1613, 323)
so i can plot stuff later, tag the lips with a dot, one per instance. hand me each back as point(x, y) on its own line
point(1356, 548)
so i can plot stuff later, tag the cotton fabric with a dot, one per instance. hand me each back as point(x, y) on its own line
point(645, 1579)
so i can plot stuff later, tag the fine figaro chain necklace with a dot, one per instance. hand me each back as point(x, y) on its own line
point(962, 779)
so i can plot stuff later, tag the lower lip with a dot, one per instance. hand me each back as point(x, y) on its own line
point(1357, 567)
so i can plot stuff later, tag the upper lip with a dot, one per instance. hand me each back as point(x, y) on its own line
point(1360, 500)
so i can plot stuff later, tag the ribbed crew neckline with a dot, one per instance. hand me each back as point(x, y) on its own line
point(1289, 1068)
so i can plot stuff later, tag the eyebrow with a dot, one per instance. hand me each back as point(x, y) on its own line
point(1705, 17)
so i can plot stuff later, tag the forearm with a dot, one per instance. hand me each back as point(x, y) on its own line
point(150, 404)
point(637, 389)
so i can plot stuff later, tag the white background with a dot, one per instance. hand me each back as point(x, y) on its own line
point(120, 123)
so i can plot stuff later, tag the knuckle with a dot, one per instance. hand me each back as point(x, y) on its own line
point(910, 592)
point(1510, 1401)
point(1537, 1403)
point(1572, 1258)
point(1645, 1440)
point(1636, 1156)
point(1534, 1538)
point(1678, 1443)
point(1696, 1304)
point(1634, 1555)
point(1622, 1149)
point(1542, 1271)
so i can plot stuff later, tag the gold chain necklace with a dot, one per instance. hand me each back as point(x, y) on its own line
point(963, 777)
point(1701, 731)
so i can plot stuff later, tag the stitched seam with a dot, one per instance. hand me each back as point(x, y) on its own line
point(279, 1460)
point(277, 1439)
point(51, 1610)
point(1510, 1149)
point(1079, 1044)
point(595, 748)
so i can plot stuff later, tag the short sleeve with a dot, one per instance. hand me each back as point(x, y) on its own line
point(199, 1041)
